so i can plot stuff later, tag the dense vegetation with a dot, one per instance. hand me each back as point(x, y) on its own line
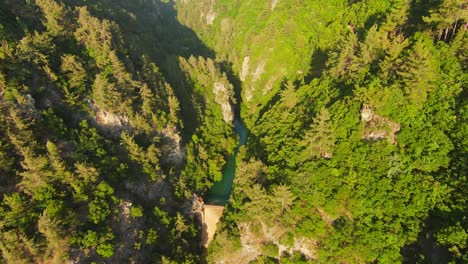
point(357, 115)
point(98, 107)
point(113, 113)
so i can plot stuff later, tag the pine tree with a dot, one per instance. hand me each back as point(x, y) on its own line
point(57, 245)
point(174, 106)
point(283, 195)
point(96, 35)
point(85, 176)
point(36, 171)
point(60, 171)
point(134, 150)
point(319, 141)
point(56, 17)
point(342, 59)
point(107, 95)
point(6, 160)
point(289, 96)
point(35, 48)
point(86, 172)
point(419, 71)
point(447, 17)
point(17, 248)
point(73, 69)
point(260, 206)
point(147, 105)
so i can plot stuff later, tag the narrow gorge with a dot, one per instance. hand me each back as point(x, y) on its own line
point(312, 131)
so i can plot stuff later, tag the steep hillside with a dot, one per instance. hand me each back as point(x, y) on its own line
point(272, 41)
point(114, 113)
point(357, 152)
point(99, 105)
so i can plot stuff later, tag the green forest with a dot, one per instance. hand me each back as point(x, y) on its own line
point(115, 114)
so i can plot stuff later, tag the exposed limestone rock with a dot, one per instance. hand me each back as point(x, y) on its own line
point(268, 86)
point(172, 152)
point(150, 191)
point(378, 127)
point(328, 219)
point(211, 15)
point(206, 72)
point(125, 210)
point(127, 227)
point(273, 4)
point(196, 205)
point(305, 246)
point(252, 242)
point(248, 94)
point(376, 135)
point(367, 114)
point(223, 94)
point(110, 121)
point(259, 71)
point(245, 68)
point(28, 105)
point(326, 155)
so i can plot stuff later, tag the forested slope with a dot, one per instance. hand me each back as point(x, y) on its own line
point(99, 101)
point(114, 112)
point(357, 113)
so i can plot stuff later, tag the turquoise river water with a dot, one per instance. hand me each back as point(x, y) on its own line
point(220, 191)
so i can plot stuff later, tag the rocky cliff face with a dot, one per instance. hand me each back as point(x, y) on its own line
point(112, 121)
point(250, 42)
point(223, 95)
point(172, 150)
point(260, 239)
point(273, 4)
point(216, 85)
point(378, 127)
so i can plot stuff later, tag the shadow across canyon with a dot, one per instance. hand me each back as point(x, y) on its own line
point(152, 32)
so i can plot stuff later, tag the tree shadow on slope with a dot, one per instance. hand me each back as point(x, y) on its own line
point(317, 65)
point(151, 30)
point(417, 11)
point(426, 249)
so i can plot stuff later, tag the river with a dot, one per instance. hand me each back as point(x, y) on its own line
point(220, 191)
